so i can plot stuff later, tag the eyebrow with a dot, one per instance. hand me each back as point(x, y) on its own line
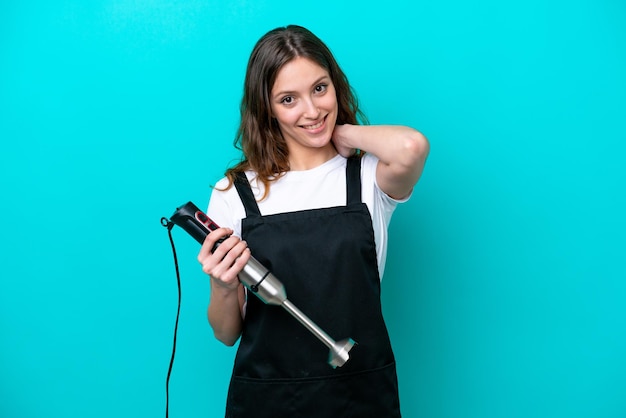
point(281, 93)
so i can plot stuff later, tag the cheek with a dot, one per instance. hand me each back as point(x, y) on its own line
point(330, 101)
point(286, 116)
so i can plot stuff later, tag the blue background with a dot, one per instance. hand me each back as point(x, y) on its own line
point(505, 290)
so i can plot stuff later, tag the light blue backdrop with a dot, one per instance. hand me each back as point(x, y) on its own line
point(505, 293)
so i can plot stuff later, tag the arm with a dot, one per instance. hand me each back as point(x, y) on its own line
point(401, 151)
point(225, 310)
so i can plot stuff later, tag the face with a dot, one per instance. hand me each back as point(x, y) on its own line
point(304, 103)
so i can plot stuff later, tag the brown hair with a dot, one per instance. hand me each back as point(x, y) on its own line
point(259, 136)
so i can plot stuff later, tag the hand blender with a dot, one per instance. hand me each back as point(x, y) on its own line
point(261, 282)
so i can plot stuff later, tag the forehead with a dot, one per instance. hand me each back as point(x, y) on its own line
point(298, 74)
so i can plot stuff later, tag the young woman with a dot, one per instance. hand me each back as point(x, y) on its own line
point(311, 199)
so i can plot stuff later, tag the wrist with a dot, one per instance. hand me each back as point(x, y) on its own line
point(224, 289)
point(346, 139)
point(345, 135)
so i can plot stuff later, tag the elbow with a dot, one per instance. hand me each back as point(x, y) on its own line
point(415, 149)
point(227, 340)
point(226, 337)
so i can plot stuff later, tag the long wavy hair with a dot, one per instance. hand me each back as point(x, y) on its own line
point(259, 136)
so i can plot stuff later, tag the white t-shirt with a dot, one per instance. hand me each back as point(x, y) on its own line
point(321, 187)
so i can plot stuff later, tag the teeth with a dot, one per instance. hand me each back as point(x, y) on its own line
point(317, 125)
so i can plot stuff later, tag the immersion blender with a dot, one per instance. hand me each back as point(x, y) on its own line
point(261, 282)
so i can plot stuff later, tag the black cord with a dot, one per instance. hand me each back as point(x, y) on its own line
point(167, 223)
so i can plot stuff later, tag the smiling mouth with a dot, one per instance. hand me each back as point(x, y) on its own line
point(316, 126)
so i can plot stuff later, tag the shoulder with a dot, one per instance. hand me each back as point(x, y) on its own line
point(225, 207)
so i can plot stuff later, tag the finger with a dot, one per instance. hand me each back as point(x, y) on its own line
point(242, 260)
point(210, 241)
point(230, 277)
point(222, 264)
point(229, 259)
point(224, 249)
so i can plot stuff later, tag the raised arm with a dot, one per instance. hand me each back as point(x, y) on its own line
point(401, 151)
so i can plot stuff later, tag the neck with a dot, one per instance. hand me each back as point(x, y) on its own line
point(304, 160)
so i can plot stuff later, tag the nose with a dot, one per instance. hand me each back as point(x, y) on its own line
point(311, 110)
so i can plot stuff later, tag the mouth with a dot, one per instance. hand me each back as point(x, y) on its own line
point(316, 126)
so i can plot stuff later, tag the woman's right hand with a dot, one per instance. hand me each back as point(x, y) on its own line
point(227, 294)
point(228, 259)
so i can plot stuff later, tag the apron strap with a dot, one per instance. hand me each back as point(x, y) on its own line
point(245, 194)
point(353, 187)
point(353, 180)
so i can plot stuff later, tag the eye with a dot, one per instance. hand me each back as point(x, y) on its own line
point(320, 88)
point(287, 100)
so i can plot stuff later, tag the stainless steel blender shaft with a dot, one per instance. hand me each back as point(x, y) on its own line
point(339, 350)
point(271, 291)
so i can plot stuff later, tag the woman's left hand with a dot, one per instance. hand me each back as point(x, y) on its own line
point(339, 141)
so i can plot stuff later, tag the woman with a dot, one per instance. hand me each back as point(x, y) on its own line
point(312, 199)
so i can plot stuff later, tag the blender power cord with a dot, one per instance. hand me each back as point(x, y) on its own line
point(169, 225)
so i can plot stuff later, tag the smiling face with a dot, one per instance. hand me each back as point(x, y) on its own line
point(304, 103)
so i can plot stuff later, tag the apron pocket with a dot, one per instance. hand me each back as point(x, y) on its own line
point(371, 393)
